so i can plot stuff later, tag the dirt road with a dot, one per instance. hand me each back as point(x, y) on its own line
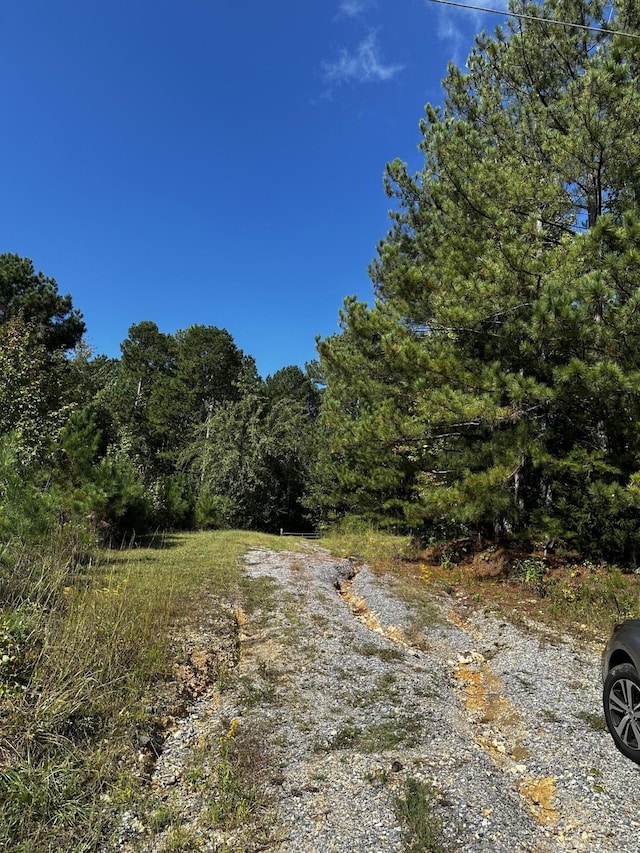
point(347, 694)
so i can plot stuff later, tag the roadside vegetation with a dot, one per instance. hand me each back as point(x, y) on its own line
point(90, 642)
point(492, 387)
point(475, 427)
point(87, 644)
point(561, 589)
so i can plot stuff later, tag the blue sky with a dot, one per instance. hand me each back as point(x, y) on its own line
point(200, 161)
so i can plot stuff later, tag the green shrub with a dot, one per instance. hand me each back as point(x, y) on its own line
point(214, 512)
point(19, 643)
point(173, 500)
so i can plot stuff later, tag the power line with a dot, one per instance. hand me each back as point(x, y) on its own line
point(522, 17)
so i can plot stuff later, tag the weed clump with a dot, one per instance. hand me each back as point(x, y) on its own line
point(422, 827)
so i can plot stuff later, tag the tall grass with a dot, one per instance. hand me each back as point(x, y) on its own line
point(82, 644)
point(359, 540)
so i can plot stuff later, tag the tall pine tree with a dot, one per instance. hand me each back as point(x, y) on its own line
point(495, 384)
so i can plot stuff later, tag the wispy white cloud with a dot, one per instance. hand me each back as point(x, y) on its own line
point(457, 26)
point(449, 30)
point(363, 65)
point(352, 8)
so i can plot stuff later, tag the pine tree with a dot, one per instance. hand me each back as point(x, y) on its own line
point(496, 381)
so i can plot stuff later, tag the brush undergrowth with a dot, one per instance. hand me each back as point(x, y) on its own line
point(569, 592)
point(572, 593)
point(83, 640)
point(368, 544)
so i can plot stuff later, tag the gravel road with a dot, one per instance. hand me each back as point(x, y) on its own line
point(353, 692)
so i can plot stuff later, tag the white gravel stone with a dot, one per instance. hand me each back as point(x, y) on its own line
point(340, 685)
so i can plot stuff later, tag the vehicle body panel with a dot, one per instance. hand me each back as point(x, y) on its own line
point(623, 646)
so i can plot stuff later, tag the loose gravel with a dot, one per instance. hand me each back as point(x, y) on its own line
point(351, 692)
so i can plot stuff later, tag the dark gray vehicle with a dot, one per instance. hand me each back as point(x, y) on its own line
point(621, 693)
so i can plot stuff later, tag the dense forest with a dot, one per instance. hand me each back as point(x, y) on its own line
point(179, 432)
point(492, 388)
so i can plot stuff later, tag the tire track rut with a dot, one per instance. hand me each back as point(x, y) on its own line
point(344, 693)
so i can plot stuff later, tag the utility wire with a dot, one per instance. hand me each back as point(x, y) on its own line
point(522, 17)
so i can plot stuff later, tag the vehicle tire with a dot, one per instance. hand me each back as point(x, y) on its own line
point(621, 700)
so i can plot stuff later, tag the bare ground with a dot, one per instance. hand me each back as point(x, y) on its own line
point(340, 689)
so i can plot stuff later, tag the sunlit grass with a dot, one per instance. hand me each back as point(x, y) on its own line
point(368, 545)
point(81, 646)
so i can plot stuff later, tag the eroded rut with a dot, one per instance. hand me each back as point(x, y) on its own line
point(496, 725)
point(344, 697)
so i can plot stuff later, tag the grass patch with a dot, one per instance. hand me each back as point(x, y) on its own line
point(595, 721)
point(385, 654)
point(234, 800)
point(422, 828)
point(385, 691)
point(598, 595)
point(419, 597)
point(229, 773)
point(377, 737)
point(368, 545)
point(179, 839)
point(83, 642)
point(258, 595)
point(572, 593)
point(260, 689)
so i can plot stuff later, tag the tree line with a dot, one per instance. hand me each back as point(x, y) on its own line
point(179, 432)
point(492, 388)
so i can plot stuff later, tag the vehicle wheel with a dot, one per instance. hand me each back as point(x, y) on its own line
point(621, 699)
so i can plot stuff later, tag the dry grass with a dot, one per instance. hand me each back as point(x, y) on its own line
point(82, 645)
point(562, 592)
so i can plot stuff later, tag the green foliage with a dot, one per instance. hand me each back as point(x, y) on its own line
point(28, 509)
point(37, 794)
point(31, 390)
point(251, 458)
point(214, 511)
point(495, 382)
point(168, 385)
point(19, 639)
point(117, 500)
point(422, 827)
point(533, 574)
point(234, 801)
point(292, 383)
point(33, 299)
point(80, 445)
point(213, 445)
point(599, 595)
point(173, 498)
